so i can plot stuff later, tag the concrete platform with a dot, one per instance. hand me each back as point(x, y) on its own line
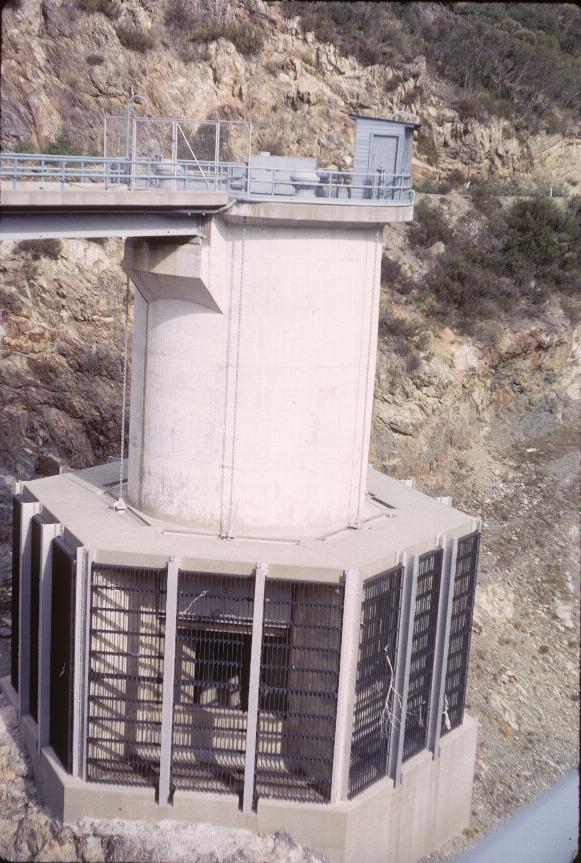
point(92, 196)
point(384, 824)
point(396, 518)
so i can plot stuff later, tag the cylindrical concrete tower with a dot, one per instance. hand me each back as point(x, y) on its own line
point(253, 368)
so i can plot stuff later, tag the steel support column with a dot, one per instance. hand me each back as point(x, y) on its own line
point(450, 548)
point(81, 611)
point(402, 673)
point(253, 687)
point(84, 584)
point(171, 604)
point(346, 689)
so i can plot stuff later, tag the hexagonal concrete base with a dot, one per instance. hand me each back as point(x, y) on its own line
point(384, 824)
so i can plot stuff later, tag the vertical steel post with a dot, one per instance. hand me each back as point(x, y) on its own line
point(217, 144)
point(174, 152)
point(171, 606)
point(133, 151)
point(47, 533)
point(254, 687)
point(450, 549)
point(411, 564)
point(347, 679)
point(249, 157)
point(84, 584)
point(28, 509)
point(79, 660)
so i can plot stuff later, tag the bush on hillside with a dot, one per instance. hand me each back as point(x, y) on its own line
point(429, 225)
point(41, 248)
point(135, 37)
point(246, 37)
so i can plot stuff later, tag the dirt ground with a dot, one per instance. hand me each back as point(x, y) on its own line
point(524, 668)
point(523, 684)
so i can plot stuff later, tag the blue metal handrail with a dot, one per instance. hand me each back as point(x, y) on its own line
point(260, 183)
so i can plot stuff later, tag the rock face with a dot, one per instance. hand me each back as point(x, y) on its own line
point(63, 64)
point(61, 366)
point(66, 62)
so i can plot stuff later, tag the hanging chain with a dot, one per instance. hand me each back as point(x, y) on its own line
point(120, 505)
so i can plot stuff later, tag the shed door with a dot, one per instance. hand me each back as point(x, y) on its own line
point(382, 164)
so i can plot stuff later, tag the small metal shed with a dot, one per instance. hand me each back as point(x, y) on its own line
point(383, 150)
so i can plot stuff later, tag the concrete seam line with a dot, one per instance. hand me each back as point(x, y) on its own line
point(226, 411)
point(368, 385)
point(236, 380)
point(352, 514)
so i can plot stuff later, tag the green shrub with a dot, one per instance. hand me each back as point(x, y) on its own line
point(94, 59)
point(62, 146)
point(531, 238)
point(434, 187)
point(135, 37)
point(245, 36)
point(429, 225)
point(24, 146)
point(393, 276)
point(183, 15)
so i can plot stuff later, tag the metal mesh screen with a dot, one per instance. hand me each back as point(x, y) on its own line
point(62, 653)
point(127, 635)
point(374, 682)
point(460, 630)
point(299, 676)
point(35, 564)
point(422, 657)
point(203, 141)
point(15, 598)
point(212, 669)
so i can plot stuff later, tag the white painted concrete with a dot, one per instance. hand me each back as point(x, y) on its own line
point(254, 418)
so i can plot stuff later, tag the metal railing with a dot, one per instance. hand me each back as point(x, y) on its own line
point(20, 170)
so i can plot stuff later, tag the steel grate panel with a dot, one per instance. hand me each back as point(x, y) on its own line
point(15, 598)
point(422, 655)
point(62, 653)
point(212, 667)
point(126, 647)
point(379, 627)
point(460, 630)
point(299, 677)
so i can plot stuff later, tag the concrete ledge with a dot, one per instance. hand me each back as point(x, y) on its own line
point(346, 215)
point(384, 824)
point(92, 197)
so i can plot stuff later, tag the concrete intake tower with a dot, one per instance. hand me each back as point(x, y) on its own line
point(249, 626)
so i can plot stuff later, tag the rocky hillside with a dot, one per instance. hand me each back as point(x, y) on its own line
point(297, 70)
